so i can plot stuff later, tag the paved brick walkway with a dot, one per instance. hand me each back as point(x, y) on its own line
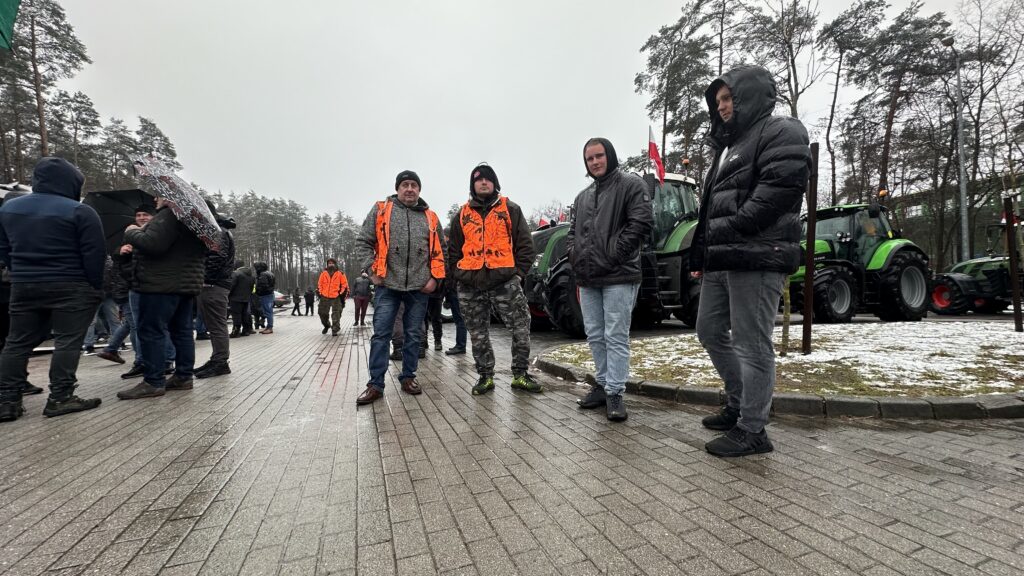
point(273, 471)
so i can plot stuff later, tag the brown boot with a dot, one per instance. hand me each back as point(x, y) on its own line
point(267, 331)
point(370, 395)
point(409, 386)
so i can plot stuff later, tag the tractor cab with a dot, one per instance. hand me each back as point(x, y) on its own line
point(674, 202)
point(852, 233)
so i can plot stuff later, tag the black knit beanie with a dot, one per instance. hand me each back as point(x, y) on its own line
point(483, 171)
point(407, 175)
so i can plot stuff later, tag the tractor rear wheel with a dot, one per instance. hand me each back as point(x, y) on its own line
point(835, 298)
point(564, 305)
point(903, 288)
point(948, 298)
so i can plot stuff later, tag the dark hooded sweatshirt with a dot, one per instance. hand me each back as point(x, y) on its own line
point(610, 222)
point(522, 246)
point(750, 211)
point(49, 235)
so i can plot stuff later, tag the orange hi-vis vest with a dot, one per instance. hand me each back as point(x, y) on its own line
point(332, 285)
point(380, 263)
point(488, 240)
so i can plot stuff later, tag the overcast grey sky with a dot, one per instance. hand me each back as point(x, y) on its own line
point(325, 102)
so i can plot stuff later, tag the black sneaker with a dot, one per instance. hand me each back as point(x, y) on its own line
point(72, 404)
point(454, 350)
point(203, 336)
point(437, 346)
point(595, 398)
point(205, 366)
point(216, 369)
point(334, 333)
point(27, 389)
point(724, 420)
point(176, 382)
point(326, 328)
point(141, 390)
point(396, 356)
point(739, 442)
point(616, 408)
point(89, 351)
point(137, 371)
point(11, 411)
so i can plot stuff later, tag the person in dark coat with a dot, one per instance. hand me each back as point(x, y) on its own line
point(310, 295)
point(213, 298)
point(746, 244)
point(296, 302)
point(54, 248)
point(361, 297)
point(610, 221)
point(242, 282)
point(169, 272)
point(265, 294)
point(120, 286)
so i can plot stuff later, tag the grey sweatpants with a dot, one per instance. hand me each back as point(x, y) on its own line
point(735, 321)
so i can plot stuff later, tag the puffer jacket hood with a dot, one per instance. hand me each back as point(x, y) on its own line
point(57, 176)
point(753, 98)
point(610, 155)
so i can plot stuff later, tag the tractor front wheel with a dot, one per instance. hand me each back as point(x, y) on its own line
point(835, 298)
point(947, 298)
point(903, 288)
point(564, 305)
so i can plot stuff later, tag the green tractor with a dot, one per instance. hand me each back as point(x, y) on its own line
point(980, 285)
point(861, 265)
point(666, 288)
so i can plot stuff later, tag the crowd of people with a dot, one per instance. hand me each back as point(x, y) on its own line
point(746, 242)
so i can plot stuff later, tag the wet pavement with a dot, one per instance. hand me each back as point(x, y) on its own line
point(273, 470)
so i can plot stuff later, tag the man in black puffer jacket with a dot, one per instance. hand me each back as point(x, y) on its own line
point(169, 272)
point(265, 284)
point(746, 243)
point(213, 300)
point(610, 221)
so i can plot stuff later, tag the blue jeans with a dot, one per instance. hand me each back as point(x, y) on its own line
point(133, 305)
point(160, 314)
point(123, 331)
point(460, 322)
point(607, 311)
point(735, 322)
point(267, 303)
point(107, 312)
point(385, 308)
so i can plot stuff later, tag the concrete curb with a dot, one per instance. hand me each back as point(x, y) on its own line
point(815, 405)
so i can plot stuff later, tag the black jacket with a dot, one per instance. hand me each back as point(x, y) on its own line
point(168, 257)
point(122, 280)
point(220, 264)
point(309, 295)
point(49, 235)
point(264, 279)
point(242, 282)
point(610, 221)
point(487, 278)
point(361, 287)
point(750, 211)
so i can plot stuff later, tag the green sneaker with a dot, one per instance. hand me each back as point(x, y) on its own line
point(526, 382)
point(484, 385)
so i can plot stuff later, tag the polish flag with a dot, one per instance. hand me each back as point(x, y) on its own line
point(652, 151)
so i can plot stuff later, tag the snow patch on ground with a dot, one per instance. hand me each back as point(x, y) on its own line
point(882, 359)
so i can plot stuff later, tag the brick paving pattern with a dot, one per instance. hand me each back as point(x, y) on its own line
point(272, 470)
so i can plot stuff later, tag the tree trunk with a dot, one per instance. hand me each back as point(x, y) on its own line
point(890, 118)
point(8, 173)
point(828, 131)
point(37, 83)
point(19, 162)
point(721, 37)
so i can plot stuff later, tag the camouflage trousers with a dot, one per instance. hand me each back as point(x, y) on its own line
point(509, 302)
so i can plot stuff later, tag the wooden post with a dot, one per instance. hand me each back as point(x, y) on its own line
point(812, 207)
point(1011, 252)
